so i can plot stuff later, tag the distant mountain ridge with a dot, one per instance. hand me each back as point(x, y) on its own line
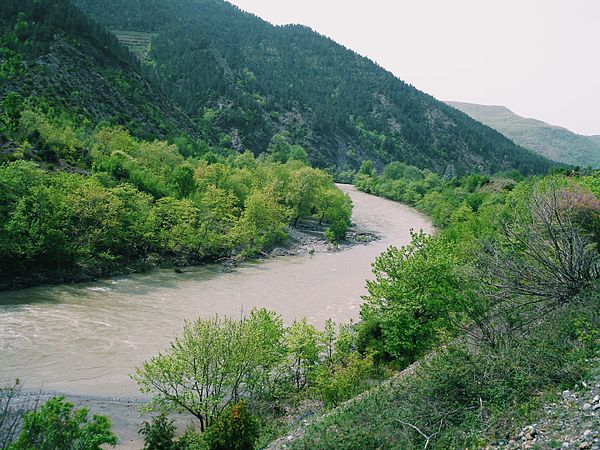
point(245, 80)
point(553, 142)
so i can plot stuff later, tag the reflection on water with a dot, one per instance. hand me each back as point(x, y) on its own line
point(86, 338)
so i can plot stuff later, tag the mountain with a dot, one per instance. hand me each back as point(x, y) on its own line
point(51, 52)
point(556, 143)
point(245, 80)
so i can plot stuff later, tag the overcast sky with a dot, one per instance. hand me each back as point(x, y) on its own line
point(540, 58)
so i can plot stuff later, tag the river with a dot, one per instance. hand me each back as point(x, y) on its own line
point(85, 339)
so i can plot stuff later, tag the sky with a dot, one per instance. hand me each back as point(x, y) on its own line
point(540, 58)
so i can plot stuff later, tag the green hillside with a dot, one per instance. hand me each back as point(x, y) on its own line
point(53, 53)
point(556, 143)
point(101, 174)
point(248, 80)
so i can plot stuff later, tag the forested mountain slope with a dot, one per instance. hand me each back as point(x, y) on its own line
point(247, 80)
point(101, 174)
point(556, 143)
point(53, 53)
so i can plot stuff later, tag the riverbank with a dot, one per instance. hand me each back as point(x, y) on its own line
point(84, 339)
point(306, 238)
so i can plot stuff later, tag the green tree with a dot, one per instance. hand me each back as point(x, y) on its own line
point(213, 364)
point(58, 426)
point(235, 429)
point(263, 222)
point(159, 434)
point(12, 106)
point(303, 343)
point(182, 181)
point(411, 298)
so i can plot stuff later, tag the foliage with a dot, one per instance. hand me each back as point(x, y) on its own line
point(159, 434)
point(221, 369)
point(508, 285)
point(235, 429)
point(344, 379)
point(134, 203)
point(303, 348)
point(214, 363)
point(14, 404)
point(413, 297)
point(293, 93)
point(466, 396)
point(58, 425)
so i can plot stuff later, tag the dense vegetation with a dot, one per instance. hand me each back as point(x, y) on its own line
point(121, 202)
point(51, 51)
point(499, 309)
point(555, 143)
point(99, 173)
point(219, 365)
point(250, 80)
point(505, 295)
point(55, 424)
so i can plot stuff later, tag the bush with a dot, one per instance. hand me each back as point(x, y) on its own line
point(159, 434)
point(413, 297)
point(344, 380)
point(58, 426)
point(235, 429)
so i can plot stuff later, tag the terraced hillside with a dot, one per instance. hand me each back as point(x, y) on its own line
point(137, 42)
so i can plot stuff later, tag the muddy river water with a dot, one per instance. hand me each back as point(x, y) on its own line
point(86, 338)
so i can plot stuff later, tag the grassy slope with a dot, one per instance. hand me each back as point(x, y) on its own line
point(491, 406)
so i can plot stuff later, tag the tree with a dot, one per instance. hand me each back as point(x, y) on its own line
point(335, 208)
point(280, 150)
point(235, 429)
point(410, 299)
point(58, 426)
point(263, 221)
point(12, 105)
point(302, 190)
point(182, 181)
point(159, 434)
point(213, 364)
point(304, 347)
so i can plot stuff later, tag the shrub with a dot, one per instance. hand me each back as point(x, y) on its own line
point(235, 429)
point(343, 380)
point(58, 426)
point(159, 434)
